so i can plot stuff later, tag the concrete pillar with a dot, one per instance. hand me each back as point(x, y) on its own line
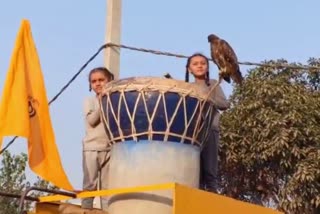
point(150, 162)
point(113, 34)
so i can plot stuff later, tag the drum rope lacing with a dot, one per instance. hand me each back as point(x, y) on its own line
point(149, 85)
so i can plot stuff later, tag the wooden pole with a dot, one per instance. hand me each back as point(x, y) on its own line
point(113, 34)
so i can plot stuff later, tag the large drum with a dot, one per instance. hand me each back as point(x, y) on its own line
point(158, 127)
point(157, 109)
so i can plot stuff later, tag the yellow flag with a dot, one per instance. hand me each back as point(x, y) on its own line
point(24, 110)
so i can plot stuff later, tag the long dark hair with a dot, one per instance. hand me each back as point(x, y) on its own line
point(207, 77)
point(103, 70)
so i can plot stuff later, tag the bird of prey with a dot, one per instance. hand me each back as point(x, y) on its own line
point(225, 58)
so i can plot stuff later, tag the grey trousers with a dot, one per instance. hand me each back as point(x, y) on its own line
point(95, 169)
point(209, 163)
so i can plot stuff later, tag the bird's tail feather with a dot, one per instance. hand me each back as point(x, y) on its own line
point(237, 78)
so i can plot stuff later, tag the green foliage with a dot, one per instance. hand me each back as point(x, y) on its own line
point(13, 181)
point(270, 139)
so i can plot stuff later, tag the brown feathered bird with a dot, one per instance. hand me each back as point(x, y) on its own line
point(225, 58)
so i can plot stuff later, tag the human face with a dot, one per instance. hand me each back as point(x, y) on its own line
point(97, 81)
point(198, 66)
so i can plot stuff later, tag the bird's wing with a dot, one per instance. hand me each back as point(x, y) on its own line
point(228, 52)
point(232, 60)
point(221, 60)
point(213, 55)
point(218, 55)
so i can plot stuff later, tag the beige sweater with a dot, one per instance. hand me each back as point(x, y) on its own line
point(220, 102)
point(95, 138)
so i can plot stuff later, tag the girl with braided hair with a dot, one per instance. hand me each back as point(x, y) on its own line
point(198, 66)
point(96, 144)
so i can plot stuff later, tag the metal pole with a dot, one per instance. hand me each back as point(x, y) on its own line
point(25, 195)
point(113, 34)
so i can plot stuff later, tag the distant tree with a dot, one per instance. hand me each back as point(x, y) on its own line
point(270, 139)
point(13, 180)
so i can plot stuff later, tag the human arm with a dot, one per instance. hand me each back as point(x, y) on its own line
point(91, 113)
point(219, 98)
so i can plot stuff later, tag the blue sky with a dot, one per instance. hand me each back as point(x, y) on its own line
point(67, 33)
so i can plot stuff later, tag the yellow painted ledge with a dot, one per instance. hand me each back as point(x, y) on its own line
point(191, 201)
point(186, 200)
point(86, 194)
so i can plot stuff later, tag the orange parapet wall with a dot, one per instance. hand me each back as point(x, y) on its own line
point(191, 201)
point(186, 200)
